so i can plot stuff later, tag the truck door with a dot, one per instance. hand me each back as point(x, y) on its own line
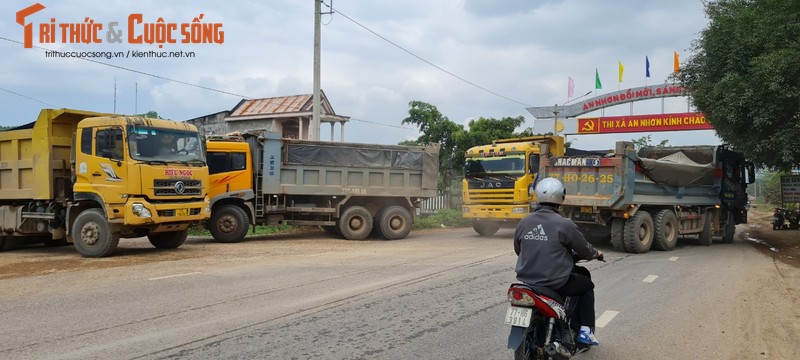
point(105, 167)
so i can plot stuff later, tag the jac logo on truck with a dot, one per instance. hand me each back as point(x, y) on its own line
point(577, 162)
point(178, 172)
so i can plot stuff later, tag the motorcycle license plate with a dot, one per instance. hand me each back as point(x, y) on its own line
point(518, 316)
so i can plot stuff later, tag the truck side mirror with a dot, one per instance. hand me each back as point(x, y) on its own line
point(751, 173)
point(533, 164)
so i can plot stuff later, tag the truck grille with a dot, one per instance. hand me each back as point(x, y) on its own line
point(491, 197)
point(173, 188)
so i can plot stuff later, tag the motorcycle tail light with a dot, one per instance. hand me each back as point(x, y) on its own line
point(521, 297)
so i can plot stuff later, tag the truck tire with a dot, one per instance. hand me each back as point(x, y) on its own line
point(168, 240)
point(617, 234)
point(393, 222)
point(485, 228)
point(92, 236)
point(666, 230)
point(355, 223)
point(704, 238)
point(228, 223)
point(730, 229)
point(638, 232)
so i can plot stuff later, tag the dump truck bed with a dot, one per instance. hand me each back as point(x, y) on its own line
point(300, 167)
point(35, 158)
point(624, 178)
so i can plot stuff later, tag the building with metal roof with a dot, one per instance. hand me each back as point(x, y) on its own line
point(287, 115)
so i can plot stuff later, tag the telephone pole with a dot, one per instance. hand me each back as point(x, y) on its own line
point(313, 130)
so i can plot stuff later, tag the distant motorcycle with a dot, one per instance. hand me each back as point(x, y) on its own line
point(543, 324)
point(777, 220)
point(793, 218)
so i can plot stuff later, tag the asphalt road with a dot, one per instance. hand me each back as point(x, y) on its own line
point(435, 295)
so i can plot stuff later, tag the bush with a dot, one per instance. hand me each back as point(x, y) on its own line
point(441, 218)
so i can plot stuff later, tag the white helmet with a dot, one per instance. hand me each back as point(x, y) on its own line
point(550, 191)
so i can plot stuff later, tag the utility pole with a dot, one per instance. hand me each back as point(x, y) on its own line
point(313, 130)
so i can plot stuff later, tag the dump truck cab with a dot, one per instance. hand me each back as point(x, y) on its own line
point(497, 181)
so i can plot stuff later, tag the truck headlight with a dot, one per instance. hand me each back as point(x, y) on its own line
point(465, 210)
point(519, 210)
point(140, 210)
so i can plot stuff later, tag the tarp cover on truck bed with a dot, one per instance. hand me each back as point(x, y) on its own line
point(678, 169)
point(359, 156)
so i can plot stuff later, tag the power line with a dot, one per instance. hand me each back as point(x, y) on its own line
point(28, 97)
point(426, 61)
point(166, 79)
point(139, 72)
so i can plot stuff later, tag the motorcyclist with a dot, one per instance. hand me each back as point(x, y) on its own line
point(544, 242)
point(777, 219)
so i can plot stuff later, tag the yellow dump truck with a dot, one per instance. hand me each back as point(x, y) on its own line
point(496, 189)
point(91, 178)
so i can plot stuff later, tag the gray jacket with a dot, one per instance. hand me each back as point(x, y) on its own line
point(543, 242)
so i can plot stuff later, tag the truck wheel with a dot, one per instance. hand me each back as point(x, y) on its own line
point(485, 228)
point(705, 236)
point(394, 222)
point(168, 240)
point(730, 229)
point(666, 230)
point(617, 233)
point(638, 232)
point(92, 236)
point(4, 241)
point(228, 224)
point(355, 223)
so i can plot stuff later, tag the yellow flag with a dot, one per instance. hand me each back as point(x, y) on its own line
point(621, 70)
point(676, 63)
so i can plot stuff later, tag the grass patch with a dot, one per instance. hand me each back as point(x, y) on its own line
point(259, 230)
point(441, 218)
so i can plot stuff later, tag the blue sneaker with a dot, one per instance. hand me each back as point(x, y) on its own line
point(587, 337)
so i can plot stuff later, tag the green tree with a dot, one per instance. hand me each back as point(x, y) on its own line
point(435, 128)
point(483, 131)
point(744, 75)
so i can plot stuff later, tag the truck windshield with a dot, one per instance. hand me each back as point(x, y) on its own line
point(505, 165)
point(167, 145)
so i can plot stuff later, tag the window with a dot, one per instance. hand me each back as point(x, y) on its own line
point(238, 161)
point(220, 162)
point(86, 141)
point(109, 143)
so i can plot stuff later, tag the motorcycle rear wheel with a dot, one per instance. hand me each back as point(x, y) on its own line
point(532, 347)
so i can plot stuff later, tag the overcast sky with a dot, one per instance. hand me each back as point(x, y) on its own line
point(523, 51)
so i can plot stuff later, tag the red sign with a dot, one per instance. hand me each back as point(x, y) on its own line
point(643, 123)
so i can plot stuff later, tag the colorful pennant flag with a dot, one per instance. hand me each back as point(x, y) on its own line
point(646, 66)
point(621, 70)
point(597, 83)
point(570, 87)
point(676, 63)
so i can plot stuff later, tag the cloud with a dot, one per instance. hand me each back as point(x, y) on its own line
point(519, 49)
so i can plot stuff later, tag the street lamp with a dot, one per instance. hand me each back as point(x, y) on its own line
point(556, 111)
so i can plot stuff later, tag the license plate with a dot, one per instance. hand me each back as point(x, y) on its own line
point(586, 209)
point(182, 212)
point(518, 316)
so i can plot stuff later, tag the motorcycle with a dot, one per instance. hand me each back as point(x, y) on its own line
point(543, 323)
point(777, 220)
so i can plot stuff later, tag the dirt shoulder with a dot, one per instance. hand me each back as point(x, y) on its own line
point(782, 245)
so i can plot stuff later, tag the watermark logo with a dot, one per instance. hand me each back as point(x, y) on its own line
point(28, 28)
point(136, 30)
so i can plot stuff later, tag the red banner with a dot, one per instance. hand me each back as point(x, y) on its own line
point(643, 123)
